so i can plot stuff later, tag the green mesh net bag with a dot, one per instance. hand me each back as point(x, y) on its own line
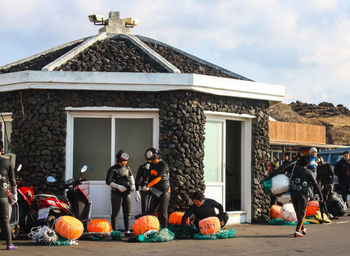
point(114, 235)
point(267, 185)
point(163, 235)
point(183, 232)
point(63, 242)
point(223, 234)
point(281, 222)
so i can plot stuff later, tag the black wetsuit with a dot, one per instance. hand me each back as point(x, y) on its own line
point(159, 178)
point(120, 176)
point(207, 209)
point(341, 169)
point(302, 179)
point(7, 176)
point(140, 181)
point(325, 176)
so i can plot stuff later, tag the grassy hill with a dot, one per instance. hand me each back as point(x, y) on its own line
point(335, 118)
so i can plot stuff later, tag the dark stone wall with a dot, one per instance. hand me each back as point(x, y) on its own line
point(39, 135)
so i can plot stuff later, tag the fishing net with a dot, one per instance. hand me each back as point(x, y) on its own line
point(64, 242)
point(183, 232)
point(223, 234)
point(281, 222)
point(43, 235)
point(103, 236)
point(267, 185)
point(163, 235)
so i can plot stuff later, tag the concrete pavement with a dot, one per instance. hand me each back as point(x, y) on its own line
point(322, 239)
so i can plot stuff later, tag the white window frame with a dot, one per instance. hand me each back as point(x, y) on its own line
point(106, 112)
point(246, 145)
point(7, 118)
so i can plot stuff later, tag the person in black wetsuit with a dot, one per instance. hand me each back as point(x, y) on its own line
point(325, 175)
point(342, 170)
point(302, 179)
point(159, 185)
point(7, 176)
point(203, 208)
point(120, 179)
point(140, 182)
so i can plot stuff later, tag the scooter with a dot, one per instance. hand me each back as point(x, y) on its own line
point(77, 203)
point(28, 212)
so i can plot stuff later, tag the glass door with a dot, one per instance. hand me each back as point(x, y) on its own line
point(214, 160)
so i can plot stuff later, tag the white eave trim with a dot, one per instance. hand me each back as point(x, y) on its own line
point(228, 115)
point(112, 109)
point(124, 81)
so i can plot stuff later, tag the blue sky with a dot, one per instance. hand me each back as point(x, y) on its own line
point(303, 45)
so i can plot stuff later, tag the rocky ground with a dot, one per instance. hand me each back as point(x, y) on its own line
point(335, 118)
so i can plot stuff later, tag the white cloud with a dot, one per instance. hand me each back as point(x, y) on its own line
point(322, 4)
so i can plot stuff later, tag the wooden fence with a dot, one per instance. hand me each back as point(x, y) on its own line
point(296, 133)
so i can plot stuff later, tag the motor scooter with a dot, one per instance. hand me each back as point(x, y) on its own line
point(77, 203)
point(28, 212)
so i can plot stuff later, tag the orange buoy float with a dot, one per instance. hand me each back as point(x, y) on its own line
point(69, 227)
point(145, 223)
point(176, 218)
point(311, 208)
point(275, 211)
point(99, 225)
point(210, 225)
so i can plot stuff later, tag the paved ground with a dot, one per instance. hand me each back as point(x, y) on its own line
point(324, 239)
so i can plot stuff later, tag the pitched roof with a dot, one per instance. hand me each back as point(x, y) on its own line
point(121, 53)
point(38, 61)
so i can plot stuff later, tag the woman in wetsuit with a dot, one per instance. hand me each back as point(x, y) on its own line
point(7, 176)
point(120, 179)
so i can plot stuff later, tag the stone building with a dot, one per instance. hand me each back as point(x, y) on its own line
point(81, 102)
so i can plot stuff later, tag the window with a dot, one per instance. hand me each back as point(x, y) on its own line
point(6, 130)
point(213, 151)
point(133, 136)
point(335, 158)
point(98, 136)
point(92, 146)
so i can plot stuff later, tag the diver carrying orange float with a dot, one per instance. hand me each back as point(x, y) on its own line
point(158, 183)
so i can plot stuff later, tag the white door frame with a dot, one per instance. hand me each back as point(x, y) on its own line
point(246, 145)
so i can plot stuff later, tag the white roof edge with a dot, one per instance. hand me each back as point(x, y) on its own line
point(124, 81)
point(111, 109)
point(214, 113)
